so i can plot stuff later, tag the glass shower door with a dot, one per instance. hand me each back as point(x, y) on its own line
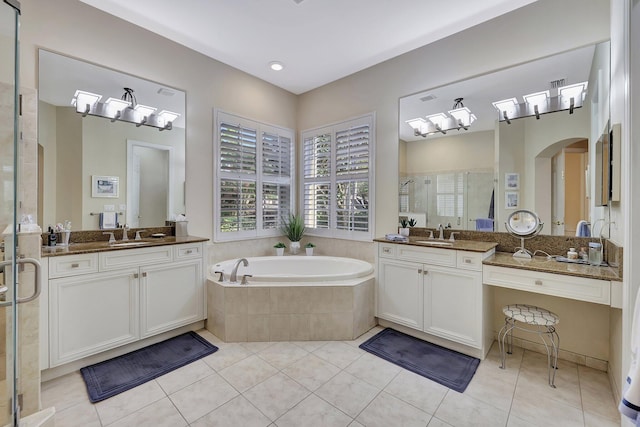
point(9, 113)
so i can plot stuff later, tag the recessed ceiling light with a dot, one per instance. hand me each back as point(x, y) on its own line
point(276, 65)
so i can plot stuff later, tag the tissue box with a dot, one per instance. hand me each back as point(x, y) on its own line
point(181, 229)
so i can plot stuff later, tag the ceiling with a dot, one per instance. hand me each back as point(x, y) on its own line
point(318, 41)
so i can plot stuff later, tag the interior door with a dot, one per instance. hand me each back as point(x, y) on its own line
point(557, 198)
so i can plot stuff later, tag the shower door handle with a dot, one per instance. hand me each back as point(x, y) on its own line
point(38, 285)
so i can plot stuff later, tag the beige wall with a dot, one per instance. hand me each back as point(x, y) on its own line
point(209, 84)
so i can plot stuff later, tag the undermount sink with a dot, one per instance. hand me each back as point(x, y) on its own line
point(434, 243)
point(124, 244)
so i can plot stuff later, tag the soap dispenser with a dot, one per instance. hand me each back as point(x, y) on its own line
point(52, 238)
point(572, 254)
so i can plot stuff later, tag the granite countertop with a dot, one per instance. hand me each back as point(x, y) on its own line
point(462, 245)
point(103, 245)
point(541, 263)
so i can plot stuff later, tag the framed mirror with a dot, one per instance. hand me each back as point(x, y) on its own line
point(473, 174)
point(147, 164)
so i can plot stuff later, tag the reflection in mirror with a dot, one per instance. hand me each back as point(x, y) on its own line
point(553, 156)
point(148, 163)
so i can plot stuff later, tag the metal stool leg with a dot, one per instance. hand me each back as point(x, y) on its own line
point(506, 330)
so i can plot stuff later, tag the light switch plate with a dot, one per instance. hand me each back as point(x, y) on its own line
point(123, 207)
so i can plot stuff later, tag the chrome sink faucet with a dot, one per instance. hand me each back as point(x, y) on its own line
point(125, 227)
point(440, 232)
point(234, 272)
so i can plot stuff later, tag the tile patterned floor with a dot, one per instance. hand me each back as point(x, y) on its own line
point(329, 384)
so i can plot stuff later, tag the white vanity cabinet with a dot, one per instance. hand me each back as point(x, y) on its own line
point(99, 301)
point(437, 291)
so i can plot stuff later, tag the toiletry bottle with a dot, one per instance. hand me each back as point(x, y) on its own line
point(53, 238)
point(595, 253)
point(572, 254)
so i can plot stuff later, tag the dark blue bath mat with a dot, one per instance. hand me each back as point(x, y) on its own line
point(113, 376)
point(444, 366)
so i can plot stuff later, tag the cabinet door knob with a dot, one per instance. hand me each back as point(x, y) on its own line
point(419, 271)
point(425, 272)
point(144, 274)
point(135, 275)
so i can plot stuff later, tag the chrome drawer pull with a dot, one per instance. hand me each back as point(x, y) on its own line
point(188, 252)
point(75, 265)
point(539, 282)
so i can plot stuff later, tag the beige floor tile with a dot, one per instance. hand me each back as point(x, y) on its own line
point(276, 395)
point(460, 410)
point(544, 411)
point(311, 371)
point(80, 415)
point(247, 373)
point(386, 410)
point(514, 421)
point(591, 420)
point(417, 390)
point(355, 424)
point(226, 356)
point(489, 387)
point(282, 354)
point(310, 346)
point(236, 412)
point(256, 347)
point(437, 422)
point(374, 370)
point(64, 392)
point(338, 353)
point(202, 397)
point(347, 393)
point(535, 384)
point(314, 412)
point(159, 414)
point(184, 376)
point(597, 397)
point(130, 401)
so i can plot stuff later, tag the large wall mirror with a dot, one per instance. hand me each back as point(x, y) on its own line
point(473, 178)
point(91, 165)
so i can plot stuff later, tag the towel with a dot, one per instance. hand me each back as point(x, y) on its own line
point(630, 403)
point(108, 220)
point(484, 224)
point(396, 238)
point(582, 229)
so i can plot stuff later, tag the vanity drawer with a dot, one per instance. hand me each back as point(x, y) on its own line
point(433, 256)
point(470, 260)
point(113, 260)
point(72, 265)
point(187, 251)
point(387, 250)
point(578, 288)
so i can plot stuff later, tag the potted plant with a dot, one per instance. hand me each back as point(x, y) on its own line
point(293, 229)
point(404, 224)
point(279, 248)
point(309, 248)
point(412, 222)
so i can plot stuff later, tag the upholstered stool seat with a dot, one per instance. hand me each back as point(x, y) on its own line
point(530, 318)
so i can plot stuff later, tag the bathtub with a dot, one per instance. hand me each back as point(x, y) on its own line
point(292, 298)
point(301, 270)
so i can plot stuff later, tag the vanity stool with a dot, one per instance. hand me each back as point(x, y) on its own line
point(537, 320)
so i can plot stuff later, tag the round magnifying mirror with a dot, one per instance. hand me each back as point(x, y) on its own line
point(523, 224)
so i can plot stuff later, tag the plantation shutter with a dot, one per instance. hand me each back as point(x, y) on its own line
point(254, 171)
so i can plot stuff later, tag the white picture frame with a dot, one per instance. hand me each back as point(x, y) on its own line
point(511, 199)
point(105, 186)
point(511, 181)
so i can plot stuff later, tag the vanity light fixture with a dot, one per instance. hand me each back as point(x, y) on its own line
point(569, 97)
point(124, 109)
point(460, 117)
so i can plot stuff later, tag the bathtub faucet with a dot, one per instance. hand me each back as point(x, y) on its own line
point(234, 272)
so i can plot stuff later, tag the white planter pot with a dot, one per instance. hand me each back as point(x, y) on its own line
point(279, 251)
point(294, 247)
point(404, 231)
point(309, 251)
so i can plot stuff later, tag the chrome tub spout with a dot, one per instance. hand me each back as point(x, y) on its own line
point(234, 272)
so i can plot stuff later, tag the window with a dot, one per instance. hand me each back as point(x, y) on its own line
point(450, 194)
point(253, 177)
point(337, 179)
